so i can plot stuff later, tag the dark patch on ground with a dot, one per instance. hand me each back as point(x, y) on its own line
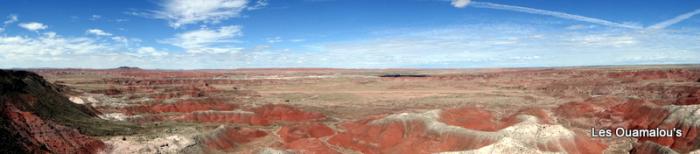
point(404, 75)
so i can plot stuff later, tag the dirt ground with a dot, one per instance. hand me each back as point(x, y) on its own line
point(344, 96)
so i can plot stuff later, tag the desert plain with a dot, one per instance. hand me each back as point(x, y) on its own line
point(322, 110)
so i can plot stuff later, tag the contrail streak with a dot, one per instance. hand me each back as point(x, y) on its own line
point(677, 19)
point(552, 13)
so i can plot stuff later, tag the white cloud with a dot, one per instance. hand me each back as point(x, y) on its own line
point(97, 32)
point(183, 12)
point(151, 51)
point(482, 45)
point(207, 40)
point(460, 3)
point(33, 26)
point(490, 46)
point(53, 50)
point(46, 46)
point(11, 19)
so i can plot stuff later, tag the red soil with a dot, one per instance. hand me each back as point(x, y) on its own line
point(292, 133)
point(470, 118)
point(633, 114)
point(399, 137)
point(264, 115)
point(654, 91)
point(46, 136)
point(310, 146)
point(414, 136)
point(182, 106)
point(229, 137)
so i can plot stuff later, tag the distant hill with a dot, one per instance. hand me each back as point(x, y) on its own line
point(128, 68)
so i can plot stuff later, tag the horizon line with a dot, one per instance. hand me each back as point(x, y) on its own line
point(350, 68)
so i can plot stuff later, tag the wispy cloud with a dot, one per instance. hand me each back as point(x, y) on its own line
point(10, 19)
point(95, 17)
point(460, 3)
point(97, 32)
point(52, 50)
point(183, 12)
point(46, 46)
point(207, 40)
point(33, 26)
point(488, 5)
point(276, 39)
point(259, 5)
point(499, 45)
point(548, 13)
point(677, 19)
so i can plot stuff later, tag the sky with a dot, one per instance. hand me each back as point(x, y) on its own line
point(226, 34)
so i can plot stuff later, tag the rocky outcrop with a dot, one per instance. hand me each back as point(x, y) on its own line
point(227, 137)
point(635, 114)
point(292, 133)
point(429, 133)
point(35, 118)
point(25, 132)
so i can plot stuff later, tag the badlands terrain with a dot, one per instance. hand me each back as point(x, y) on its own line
point(524, 110)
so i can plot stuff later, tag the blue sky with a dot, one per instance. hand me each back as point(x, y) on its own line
point(219, 34)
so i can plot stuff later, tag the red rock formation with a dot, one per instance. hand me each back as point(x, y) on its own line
point(36, 118)
point(402, 137)
point(225, 138)
point(668, 118)
point(238, 116)
point(637, 114)
point(691, 97)
point(189, 105)
point(36, 135)
point(291, 133)
point(271, 113)
point(263, 115)
point(310, 146)
point(192, 90)
point(451, 130)
point(470, 118)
